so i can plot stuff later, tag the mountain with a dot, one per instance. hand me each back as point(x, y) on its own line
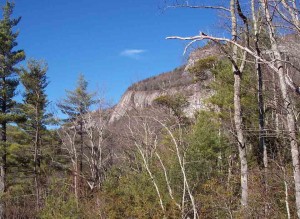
point(141, 95)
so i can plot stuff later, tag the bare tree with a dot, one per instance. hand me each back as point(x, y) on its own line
point(146, 133)
point(96, 152)
point(233, 9)
point(277, 65)
point(145, 142)
point(68, 135)
point(287, 102)
point(96, 155)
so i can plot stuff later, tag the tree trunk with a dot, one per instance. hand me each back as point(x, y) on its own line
point(3, 167)
point(81, 147)
point(287, 105)
point(75, 174)
point(238, 110)
point(80, 172)
point(240, 138)
point(263, 153)
point(261, 113)
point(36, 159)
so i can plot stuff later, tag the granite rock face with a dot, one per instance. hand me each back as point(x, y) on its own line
point(142, 94)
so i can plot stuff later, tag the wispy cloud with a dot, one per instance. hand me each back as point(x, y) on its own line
point(133, 53)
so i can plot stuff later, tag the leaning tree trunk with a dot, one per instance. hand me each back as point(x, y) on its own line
point(287, 105)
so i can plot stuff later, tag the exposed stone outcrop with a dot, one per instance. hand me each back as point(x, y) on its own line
point(143, 99)
point(142, 94)
point(201, 53)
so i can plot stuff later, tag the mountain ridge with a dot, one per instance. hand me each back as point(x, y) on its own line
point(141, 95)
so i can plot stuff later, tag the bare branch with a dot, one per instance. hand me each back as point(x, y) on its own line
point(198, 7)
point(203, 36)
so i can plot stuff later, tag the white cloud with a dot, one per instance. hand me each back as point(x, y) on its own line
point(133, 53)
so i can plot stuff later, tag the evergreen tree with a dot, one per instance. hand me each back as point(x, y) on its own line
point(75, 105)
point(77, 102)
point(9, 58)
point(35, 81)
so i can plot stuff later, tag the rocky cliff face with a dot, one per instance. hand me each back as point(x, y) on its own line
point(143, 99)
point(142, 94)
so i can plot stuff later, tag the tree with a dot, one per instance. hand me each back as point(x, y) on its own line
point(97, 153)
point(176, 103)
point(238, 65)
point(35, 82)
point(153, 136)
point(75, 105)
point(290, 119)
point(274, 59)
point(9, 58)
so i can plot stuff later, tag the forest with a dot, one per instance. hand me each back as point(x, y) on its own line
point(236, 157)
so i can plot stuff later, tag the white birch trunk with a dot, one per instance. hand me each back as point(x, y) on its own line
point(287, 105)
point(237, 111)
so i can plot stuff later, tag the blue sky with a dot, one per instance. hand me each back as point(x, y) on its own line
point(113, 43)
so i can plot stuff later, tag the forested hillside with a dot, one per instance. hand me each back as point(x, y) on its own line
point(217, 137)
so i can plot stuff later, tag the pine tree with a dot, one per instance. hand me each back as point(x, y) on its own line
point(9, 58)
point(77, 102)
point(35, 82)
point(75, 105)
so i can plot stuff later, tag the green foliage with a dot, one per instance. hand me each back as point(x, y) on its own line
point(19, 201)
point(201, 66)
point(207, 166)
point(79, 101)
point(176, 102)
point(35, 81)
point(9, 58)
point(209, 147)
point(223, 87)
point(18, 148)
point(223, 96)
point(223, 99)
point(206, 148)
point(217, 199)
point(207, 137)
point(60, 203)
point(131, 195)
